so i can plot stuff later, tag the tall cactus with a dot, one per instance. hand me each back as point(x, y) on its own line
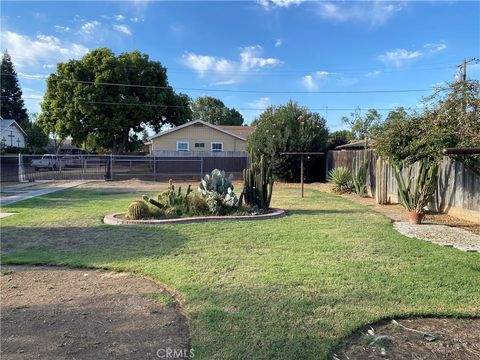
point(258, 184)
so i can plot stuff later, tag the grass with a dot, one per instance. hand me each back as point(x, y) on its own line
point(286, 288)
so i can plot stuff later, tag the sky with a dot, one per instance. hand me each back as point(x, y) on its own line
point(253, 54)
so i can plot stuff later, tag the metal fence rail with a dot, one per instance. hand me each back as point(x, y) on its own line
point(117, 167)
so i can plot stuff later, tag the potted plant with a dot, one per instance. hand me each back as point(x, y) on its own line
point(416, 192)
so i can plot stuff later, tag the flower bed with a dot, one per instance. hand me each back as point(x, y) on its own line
point(118, 218)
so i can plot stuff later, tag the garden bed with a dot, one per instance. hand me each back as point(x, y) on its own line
point(118, 219)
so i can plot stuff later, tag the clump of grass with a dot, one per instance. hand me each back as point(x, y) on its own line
point(162, 298)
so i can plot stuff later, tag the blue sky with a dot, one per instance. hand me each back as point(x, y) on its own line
point(280, 45)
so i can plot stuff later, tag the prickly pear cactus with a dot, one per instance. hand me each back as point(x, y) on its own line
point(137, 210)
point(217, 181)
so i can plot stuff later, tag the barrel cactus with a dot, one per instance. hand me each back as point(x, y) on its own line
point(137, 210)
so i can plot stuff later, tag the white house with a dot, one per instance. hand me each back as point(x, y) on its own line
point(12, 135)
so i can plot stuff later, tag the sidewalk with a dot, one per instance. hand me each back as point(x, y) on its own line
point(21, 191)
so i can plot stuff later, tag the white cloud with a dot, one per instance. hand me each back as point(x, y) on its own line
point(119, 17)
point(32, 94)
point(224, 82)
point(435, 47)
point(373, 74)
point(399, 57)
point(312, 81)
point(136, 19)
point(269, 4)
point(225, 71)
point(371, 12)
point(278, 43)
point(261, 103)
point(26, 50)
point(89, 27)
point(61, 29)
point(251, 58)
point(123, 29)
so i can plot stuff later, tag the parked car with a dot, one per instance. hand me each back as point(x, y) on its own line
point(48, 161)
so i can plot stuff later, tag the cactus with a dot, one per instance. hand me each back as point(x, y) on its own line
point(258, 185)
point(153, 202)
point(217, 181)
point(137, 210)
point(359, 176)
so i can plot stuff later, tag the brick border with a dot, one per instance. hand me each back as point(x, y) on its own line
point(112, 219)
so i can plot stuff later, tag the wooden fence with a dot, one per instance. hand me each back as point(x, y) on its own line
point(458, 190)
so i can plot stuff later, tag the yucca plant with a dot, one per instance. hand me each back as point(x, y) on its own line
point(341, 179)
point(416, 193)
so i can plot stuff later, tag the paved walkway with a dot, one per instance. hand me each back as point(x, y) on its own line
point(22, 192)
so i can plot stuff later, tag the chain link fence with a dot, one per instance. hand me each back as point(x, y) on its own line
point(115, 167)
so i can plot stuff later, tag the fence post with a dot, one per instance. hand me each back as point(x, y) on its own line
point(21, 170)
point(201, 168)
point(154, 168)
point(111, 166)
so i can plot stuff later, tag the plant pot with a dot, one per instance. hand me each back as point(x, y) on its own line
point(415, 217)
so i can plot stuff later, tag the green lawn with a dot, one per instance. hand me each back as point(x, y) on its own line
point(286, 288)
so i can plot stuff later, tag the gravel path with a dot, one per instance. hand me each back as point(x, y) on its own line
point(441, 234)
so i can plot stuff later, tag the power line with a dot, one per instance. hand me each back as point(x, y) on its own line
point(235, 90)
point(292, 71)
point(325, 108)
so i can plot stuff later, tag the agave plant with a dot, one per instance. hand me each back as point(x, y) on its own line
point(341, 179)
point(416, 193)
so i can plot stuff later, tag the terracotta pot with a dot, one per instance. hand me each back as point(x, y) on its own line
point(415, 217)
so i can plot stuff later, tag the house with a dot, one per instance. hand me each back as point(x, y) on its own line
point(12, 135)
point(201, 138)
point(354, 145)
point(65, 148)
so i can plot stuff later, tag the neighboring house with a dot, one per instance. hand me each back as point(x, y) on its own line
point(200, 136)
point(353, 145)
point(66, 147)
point(12, 135)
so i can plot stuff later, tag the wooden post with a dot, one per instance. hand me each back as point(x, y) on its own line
point(301, 172)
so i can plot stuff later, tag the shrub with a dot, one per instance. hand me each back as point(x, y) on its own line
point(198, 205)
point(341, 179)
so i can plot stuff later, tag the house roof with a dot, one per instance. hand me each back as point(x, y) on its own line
point(6, 123)
point(230, 130)
point(243, 131)
point(358, 144)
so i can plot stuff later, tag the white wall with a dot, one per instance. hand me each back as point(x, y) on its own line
point(12, 140)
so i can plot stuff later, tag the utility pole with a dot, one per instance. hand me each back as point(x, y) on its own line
point(463, 67)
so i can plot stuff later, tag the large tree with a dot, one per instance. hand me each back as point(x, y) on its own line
point(214, 111)
point(363, 126)
point(37, 138)
point(12, 106)
point(112, 98)
point(287, 128)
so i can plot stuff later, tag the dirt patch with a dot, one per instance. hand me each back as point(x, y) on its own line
point(420, 338)
point(396, 212)
point(60, 313)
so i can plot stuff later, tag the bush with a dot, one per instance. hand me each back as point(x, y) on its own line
point(341, 179)
point(287, 128)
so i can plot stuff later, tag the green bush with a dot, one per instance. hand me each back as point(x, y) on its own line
point(341, 179)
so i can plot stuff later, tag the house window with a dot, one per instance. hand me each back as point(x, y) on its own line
point(199, 145)
point(217, 146)
point(182, 145)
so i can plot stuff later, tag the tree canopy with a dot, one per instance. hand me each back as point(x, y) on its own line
point(214, 111)
point(37, 138)
point(450, 118)
point(363, 126)
point(112, 98)
point(287, 128)
point(12, 105)
point(340, 137)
